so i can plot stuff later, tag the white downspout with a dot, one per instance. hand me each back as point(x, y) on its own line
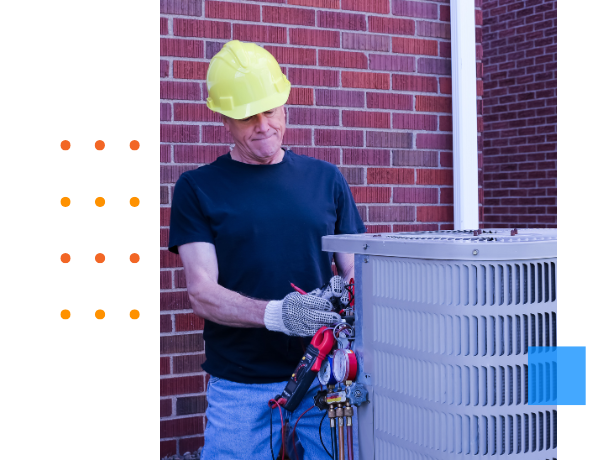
point(464, 115)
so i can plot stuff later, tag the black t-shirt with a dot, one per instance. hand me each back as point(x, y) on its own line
point(266, 222)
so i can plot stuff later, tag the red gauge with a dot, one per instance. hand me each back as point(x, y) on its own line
point(344, 365)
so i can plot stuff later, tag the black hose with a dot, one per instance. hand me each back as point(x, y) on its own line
point(321, 434)
point(334, 442)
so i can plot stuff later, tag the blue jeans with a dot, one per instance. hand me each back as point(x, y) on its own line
point(238, 424)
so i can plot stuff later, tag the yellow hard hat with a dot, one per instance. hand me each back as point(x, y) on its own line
point(244, 79)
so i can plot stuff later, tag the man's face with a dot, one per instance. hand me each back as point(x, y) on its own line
point(258, 137)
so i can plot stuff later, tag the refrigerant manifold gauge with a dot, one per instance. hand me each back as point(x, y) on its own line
point(325, 375)
point(344, 365)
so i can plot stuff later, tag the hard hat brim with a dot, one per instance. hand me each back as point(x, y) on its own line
point(263, 105)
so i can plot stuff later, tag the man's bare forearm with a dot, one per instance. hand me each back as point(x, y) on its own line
point(222, 306)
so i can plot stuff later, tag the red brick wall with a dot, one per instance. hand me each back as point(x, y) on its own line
point(371, 94)
point(519, 42)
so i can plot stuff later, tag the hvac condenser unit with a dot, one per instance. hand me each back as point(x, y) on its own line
point(444, 320)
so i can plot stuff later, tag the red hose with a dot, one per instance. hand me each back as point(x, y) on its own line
point(294, 431)
point(282, 427)
point(350, 442)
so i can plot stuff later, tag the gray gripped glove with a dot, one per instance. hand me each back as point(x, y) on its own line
point(303, 315)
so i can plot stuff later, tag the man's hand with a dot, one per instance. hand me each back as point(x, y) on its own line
point(300, 315)
point(336, 288)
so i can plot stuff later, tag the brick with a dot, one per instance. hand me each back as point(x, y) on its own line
point(164, 232)
point(259, 34)
point(414, 83)
point(194, 443)
point(415, 228)
point(354, 176)
point(346, 59)
point(433, 29)
point(164, 69)
point(433, 104)
point(297, 136)
point(332, 4)
point(195, 112)
point(187, 343)
point(181, 48)
point(180, 90)
point(181, 385)
point(415, 195)
point(296, 56)
point(365, 119)
point(434, 66)
point(313, 77)
point(445, 49)
point(180, 133)
point(331, 155)
point(165, 216)
point(190, 70)
point(404, 45)
point(165, 153)
point(435, 214)
point(445, 85)
point(366, 80)
point(414, 9)
point(369, 6)
point(391, 26)
point(165, 365)
point(181, 8)
point(300, 96)
point(389, 101)
point(434, 177)
point(312, 37)
point(390, 62)
point(312, 116)
point(191, 405)
point(216, 135)
point(391, 213)
point(168, 448)
point(188, 322)
point(165, 112)
point(178, 300)
point(390, 176)
point(365, 42)
point(368, 157)
point(284, 15)
point(434, 141)
point(445, 123)
point(337, 20)
point(389, 139)
point(165, 407)
point(378, 228)
point(414, 158)
point(338, 137)
point(213, 48)
point(201, 29)
point(180, 279)
point(340, 98)
point(164, 26)
point(166, 324)
point(181, 426)
point(371, 194)
point(199, 153)
point(187, 364)
point(412, 121)
point(230, 10)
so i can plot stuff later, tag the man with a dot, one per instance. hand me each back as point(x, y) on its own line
point(246, 226)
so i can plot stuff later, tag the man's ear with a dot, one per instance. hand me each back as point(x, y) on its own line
point(225, 120)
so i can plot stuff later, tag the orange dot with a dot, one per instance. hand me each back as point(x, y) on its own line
point(99, 145)
point(135, 258)
point(135, 202)
point(65, 258)
point(65, 201)
point(65, 145)
point(134, 145)
point(134, 314)
point(100, 314)
point(65, 314)
point(100, 201)
point(100, 258)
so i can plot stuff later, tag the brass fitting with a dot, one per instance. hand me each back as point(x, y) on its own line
point(339, 412)
point(331, 412)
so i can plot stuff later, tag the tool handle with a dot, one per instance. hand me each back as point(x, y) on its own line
point(322, 341)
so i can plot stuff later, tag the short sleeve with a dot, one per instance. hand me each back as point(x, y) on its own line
point(348, 218)
point(188, 222)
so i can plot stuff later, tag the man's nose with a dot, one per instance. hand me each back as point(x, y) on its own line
point(262, 123)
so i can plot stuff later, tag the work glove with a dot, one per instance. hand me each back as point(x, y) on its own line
point(336, 289)
point(303, 315)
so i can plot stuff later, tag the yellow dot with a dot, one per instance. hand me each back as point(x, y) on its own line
point(134, 314)
point(100, 201)
point(100, 314)
point(65, 314)
point(135, 201)
point(65, 201)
